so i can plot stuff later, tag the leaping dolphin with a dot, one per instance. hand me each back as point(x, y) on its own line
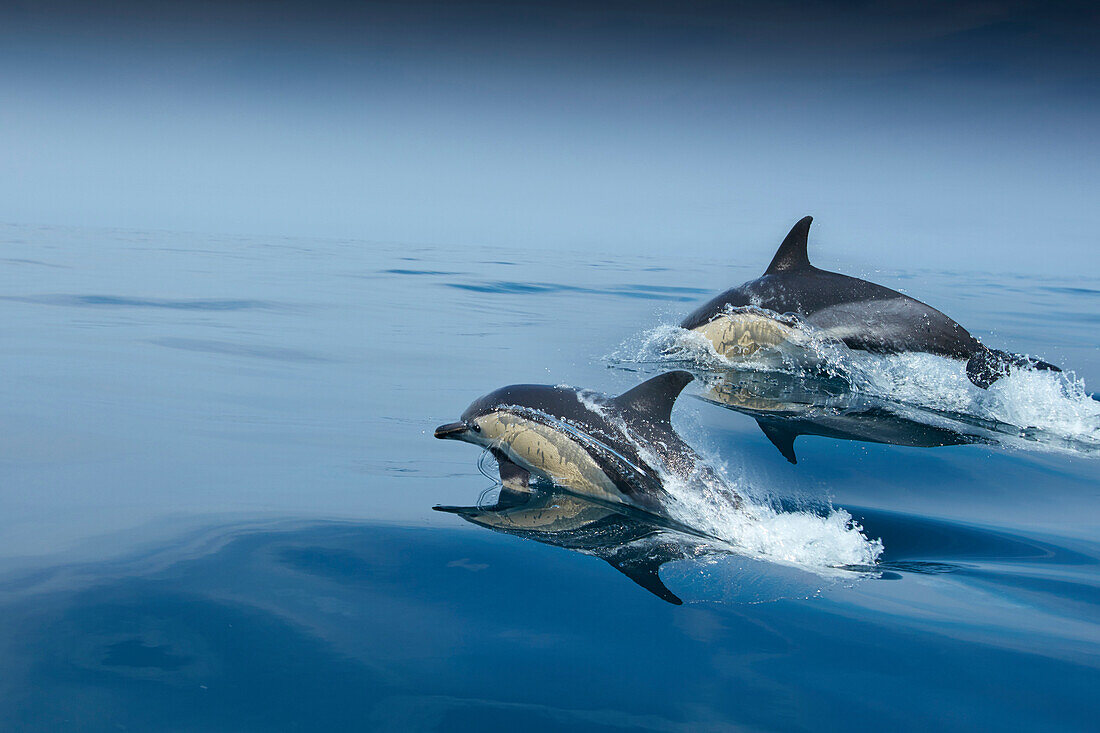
point(613, 450)
point(858, 313)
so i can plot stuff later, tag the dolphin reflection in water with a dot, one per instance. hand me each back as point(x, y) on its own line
point(629, 541)
point(787, 406)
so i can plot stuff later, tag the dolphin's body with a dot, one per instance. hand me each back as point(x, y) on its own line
point(785, 408)
point(613, 450)
point(624, 539)
point(858, 313)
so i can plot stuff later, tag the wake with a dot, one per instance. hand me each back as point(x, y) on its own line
point(1028, 409)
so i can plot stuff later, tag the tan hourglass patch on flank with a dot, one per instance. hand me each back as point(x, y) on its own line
point(741, 334)
point(550, 452)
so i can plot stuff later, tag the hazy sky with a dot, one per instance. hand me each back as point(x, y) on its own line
point(935, 134)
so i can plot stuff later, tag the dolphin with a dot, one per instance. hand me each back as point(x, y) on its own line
point(611, 450)
point(766, 312)
point(625, 539)
point(786, 407)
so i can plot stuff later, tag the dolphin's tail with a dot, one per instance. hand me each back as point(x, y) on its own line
point(989, 365)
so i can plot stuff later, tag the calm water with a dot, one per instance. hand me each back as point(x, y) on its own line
point(218, 482)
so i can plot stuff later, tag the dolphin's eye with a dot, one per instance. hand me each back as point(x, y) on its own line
point(475, 427)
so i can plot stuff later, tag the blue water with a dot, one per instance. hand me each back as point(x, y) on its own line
point(217, 477)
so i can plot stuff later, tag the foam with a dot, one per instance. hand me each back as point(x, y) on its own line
point(712, 502)
point(1028, 409)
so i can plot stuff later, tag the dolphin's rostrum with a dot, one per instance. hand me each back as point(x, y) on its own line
point(858, 313)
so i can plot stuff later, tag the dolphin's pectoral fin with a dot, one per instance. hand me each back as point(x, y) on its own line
point(781, 437)
point(654, 398)
point(516, 488)
point(989, 365)
point(645, 573)
point(791, 255)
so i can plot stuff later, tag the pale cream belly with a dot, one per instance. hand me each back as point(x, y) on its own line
point(741, 334)
point(541, 448)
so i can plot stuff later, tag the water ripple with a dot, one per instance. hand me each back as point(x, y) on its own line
point(119, 301)
point(639, 291)
point(400, 271)
point(277, 353)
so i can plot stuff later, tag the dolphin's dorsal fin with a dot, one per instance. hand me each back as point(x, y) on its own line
point(791, 255)
point(654, 398)
point(781, 437)
point(646, 574)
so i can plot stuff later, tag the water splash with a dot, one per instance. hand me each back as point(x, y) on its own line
point(725, 508)
point(1050, 408)
point(1028, 409)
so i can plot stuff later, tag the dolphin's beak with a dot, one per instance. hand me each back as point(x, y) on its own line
point(450, 430)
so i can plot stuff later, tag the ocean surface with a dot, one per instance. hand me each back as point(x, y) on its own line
point(218, 486)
